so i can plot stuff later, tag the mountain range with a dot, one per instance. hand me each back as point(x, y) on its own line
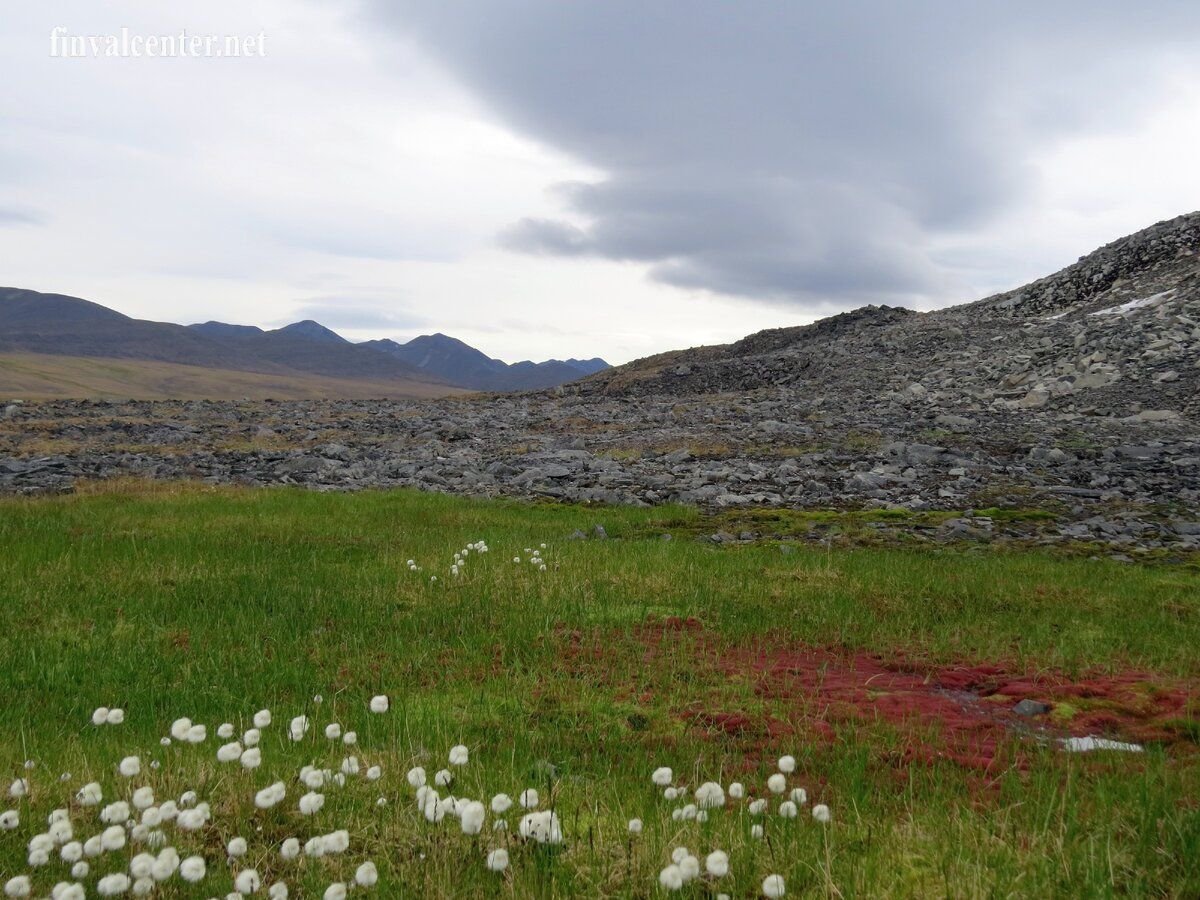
point(299, 359)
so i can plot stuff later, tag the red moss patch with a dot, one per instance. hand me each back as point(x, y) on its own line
point(962, 713)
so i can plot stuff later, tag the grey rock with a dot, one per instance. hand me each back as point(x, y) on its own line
point(1031, 708)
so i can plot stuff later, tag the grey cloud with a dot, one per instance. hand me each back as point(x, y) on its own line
point(549, 236)
point(12, 216)
point(796, 151)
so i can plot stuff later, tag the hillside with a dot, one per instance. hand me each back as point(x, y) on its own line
point(1117, 333)
point(39, 376)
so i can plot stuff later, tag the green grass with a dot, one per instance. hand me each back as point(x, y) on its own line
point(213, 603)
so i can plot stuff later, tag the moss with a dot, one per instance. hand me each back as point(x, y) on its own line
point(1064, 712)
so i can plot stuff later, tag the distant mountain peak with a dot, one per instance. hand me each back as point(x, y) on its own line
point(313, 331)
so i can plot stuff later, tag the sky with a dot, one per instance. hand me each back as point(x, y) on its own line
point(544, 178)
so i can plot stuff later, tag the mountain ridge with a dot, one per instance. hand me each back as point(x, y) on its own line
point(61, 325)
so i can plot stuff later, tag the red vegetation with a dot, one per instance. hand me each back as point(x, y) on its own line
point(961, 713)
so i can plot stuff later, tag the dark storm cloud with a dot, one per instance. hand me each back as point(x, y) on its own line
point(796, 151)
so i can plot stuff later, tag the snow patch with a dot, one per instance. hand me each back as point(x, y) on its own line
point(1129, 307)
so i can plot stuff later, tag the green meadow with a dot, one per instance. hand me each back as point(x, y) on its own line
point(624, 655)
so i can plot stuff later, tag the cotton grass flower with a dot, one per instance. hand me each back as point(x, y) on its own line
point(689, 868)
point(773, 887)
point(278, 891)
point(459, 755)
point(115, 813)
point(821, 813)
point(251, 758)
point(788, 810)
point(529, 798)
point(366, 875)
point(671, 793)
point(374, 773)
point(237, 846)
point(799, 796)
point(197, 734)
point(290, 848)
point(9, 820)
point(143, 798)
point(710, 795)
point(165, 865)
point(112, 838)
point(671, 878)
point(350, 738)
point(18, 886)
point(542, 827)
point(472, 817)
point(311, 803)
point(92, 847)
point(298, 727)
point(225, 731)
point(716, 864)
point(270, 795)
point(114, 884)
point(140, 865)
point(180, 728)
point(443, 778)
point(787, 764)
point(71, 852)
point(188, 798)
point(497, 860)
point(380, 703)
point(337, 841)
point(19, 788)
point(336, 891)
point(758, 807)
point(737, 790)
point(777, 783)
point(635, 826)
point(40, 843)
point(333, 731)
point(662, 776)
point(80, 870)
point(230, 752)
point(262, 718)
point(192, 869)
point(247, 881)
point(100, 715)
point(415, 776)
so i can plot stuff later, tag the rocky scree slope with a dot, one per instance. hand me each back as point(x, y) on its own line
point(1116, 334)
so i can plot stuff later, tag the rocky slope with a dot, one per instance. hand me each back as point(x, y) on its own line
point(1116, 335)
point(1075, 398)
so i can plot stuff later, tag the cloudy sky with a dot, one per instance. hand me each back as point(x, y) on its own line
point(552, 178)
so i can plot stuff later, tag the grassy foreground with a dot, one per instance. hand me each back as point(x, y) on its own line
point(626, 654)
